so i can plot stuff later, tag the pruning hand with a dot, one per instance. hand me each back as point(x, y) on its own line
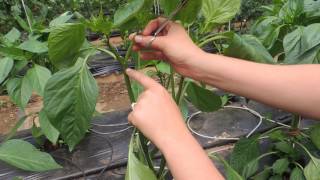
point(155, 114)
point(173, 44)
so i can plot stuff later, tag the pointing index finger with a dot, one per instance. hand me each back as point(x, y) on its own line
point(142, 79)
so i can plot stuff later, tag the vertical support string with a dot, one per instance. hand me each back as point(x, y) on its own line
point(28, 19)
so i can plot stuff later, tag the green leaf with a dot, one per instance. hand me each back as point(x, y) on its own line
point(38, 76)
point(23, 24)
point(302, 45)
point(284, 146)
point(100, 24)
point(280, 166)
point(24, 155)
point(13, 35)
point(20, 91)
point(6, 64)
point(314, 135)
point(163, 67)
point(291, 11)
point(63, 18)
point(72, 93)
point(245, 150)
point(190, 12)
point(297, 174)
point(230, 172)
point(248, 47)
point(311, 8)
point(34, 46)
point(264, 175)
point(64, 43)
point(136, 170)
point(277, 135)
point(203, 99)
point(13, 53)
point(169, 6)
point(311, 171)
point(267, 30)
point(18, 66)
point(250, 169)
point(219, 11)
point(48, 130)
point(127, 12)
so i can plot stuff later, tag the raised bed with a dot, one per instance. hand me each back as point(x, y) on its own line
point(107, 154)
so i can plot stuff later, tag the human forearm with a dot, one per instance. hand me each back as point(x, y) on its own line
point(187, 160)
point(291, 88)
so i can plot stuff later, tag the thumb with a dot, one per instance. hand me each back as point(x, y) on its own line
point(144, 41)
point(142, 79)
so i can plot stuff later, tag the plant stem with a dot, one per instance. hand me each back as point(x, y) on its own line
point(126, 77)
point(179, 95)
point(172, 83)
point(296, 122)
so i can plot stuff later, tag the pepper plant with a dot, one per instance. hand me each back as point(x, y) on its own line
point(290, 31)
point(70, 91)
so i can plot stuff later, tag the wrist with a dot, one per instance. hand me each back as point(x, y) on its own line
point(195, 63)
point(174, 140)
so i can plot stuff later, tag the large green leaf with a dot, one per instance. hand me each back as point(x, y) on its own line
point(297, 174)
point(291, 11)
point(38, 76)
point(280, 166)
point(24, 155)
point(127, 12)
point(245, 150)
point(250, 169)
point(64, 43)
point(203, 99)
point(264, 175)
point(302, 45)
point(219, 11)
point(169, 6)
point(63, 18)
point(311, 171)
point(20, 91)
point(311, 8)
point(248, 47)
point(69, 101)
point(187, 14)
point(314, 135)
point(14, 53)
point(6, 64)
point(267, 30)
point(136, 170)
point(46, 127)
point(13, 35)
point(34, 46)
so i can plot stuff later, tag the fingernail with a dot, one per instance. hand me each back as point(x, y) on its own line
point(138, 39)
point(131, 37)
point(128, 70)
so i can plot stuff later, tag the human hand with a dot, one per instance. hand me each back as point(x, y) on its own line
point(173, 45)
point(156, 114)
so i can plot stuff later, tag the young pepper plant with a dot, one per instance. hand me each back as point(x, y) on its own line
point(289, 30)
